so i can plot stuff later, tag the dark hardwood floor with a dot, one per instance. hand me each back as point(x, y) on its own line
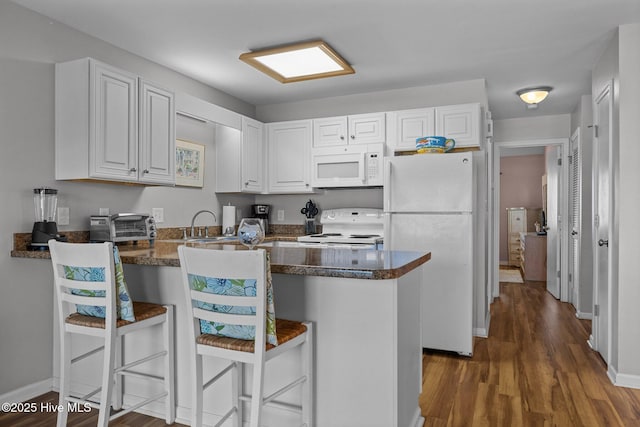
point(534, 369)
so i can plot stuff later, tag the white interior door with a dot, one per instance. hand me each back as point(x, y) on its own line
point(602, 214)
point(553, 225)
point(575, 190)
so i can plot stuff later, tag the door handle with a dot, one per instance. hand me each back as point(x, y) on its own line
point(602, 242)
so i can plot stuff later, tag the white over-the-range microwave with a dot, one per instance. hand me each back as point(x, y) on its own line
point(354, 165)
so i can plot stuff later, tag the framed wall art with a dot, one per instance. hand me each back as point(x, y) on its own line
point(189, 164)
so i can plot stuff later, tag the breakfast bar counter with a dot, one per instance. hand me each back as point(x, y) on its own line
point(347, 263)
point(365, 308)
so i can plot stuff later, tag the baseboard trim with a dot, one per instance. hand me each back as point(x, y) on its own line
point(28, 392)
point(623, 380)
point(483, 332)
point(583, 315)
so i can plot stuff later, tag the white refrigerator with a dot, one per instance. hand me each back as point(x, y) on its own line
point(428, 206)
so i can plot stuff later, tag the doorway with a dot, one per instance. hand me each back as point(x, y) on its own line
point(559, 287)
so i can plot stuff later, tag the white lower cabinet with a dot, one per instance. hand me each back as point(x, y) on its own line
point(289, 156)
point(107, 130)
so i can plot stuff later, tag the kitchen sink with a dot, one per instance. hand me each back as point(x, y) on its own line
point(280, 244)
point(212, 239)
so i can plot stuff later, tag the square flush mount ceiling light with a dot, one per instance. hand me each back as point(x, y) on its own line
point(298, 62)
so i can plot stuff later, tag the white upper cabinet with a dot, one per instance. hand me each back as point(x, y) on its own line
point(459, 122)
point(289, 154)
point(330, 131)
point(343, 130)
point(367, 128)
point(240, 157)
point(98, 135)
point(157, 145)
point(252, 156)
point(407, 125)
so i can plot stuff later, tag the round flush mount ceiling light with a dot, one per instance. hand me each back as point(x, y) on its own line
point(534, 95)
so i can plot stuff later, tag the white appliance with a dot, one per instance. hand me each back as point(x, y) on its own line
point(355, 165)
point(354, 228)
point(428, 204)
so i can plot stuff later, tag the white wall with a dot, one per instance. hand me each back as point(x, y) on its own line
point(31, 44)
point(628, 203)
point(388, 100)
point(540, 127)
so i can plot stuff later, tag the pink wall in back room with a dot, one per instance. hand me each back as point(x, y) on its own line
point(520, 186)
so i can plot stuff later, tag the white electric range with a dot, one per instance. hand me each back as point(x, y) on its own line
point(355, 228)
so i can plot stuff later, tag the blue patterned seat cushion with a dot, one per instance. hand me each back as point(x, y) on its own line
point(235, 287)
point(96, 274)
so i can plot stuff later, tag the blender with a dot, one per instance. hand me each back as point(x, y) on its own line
point(45, 201)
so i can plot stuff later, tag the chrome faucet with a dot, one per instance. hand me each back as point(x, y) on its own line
point(193, 220)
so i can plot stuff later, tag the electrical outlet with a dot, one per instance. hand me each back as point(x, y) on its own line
point(158, 214)
point(104, 211)
point(280, 214)
point(63, 216)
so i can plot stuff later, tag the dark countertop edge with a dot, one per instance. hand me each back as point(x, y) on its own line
point(304, 270)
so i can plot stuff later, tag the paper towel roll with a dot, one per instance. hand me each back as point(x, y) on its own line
point(228, 218)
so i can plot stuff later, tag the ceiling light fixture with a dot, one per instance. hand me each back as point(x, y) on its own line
point(534, 95)
point(298, 62)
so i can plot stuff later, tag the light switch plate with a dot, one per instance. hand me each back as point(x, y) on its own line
point(104, 211)
point(63, 216)
point(158, 214)
point(280, 214)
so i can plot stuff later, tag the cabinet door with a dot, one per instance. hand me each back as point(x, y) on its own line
point(367, 128)
point(113, 151)
point(289, 152)
point(252, 156)
point(330, 131)
point(411, 125)
point(517, 221)
point(157, 135)
point(460, 122)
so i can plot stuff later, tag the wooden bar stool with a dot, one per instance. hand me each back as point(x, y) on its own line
point(89, 288)
point(230, 305)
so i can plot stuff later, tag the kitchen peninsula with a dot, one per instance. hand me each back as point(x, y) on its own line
point(365, 306)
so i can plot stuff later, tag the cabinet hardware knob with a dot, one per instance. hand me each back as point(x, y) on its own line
point(353, 137)
point(602, 242)
point(145, 171)
point(246, 183)
point(342, 137)
point(133, 170)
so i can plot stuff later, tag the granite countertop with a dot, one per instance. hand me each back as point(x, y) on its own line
point(331, 262)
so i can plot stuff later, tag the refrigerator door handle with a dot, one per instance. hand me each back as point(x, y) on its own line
point(387, 230)
point(387, 185)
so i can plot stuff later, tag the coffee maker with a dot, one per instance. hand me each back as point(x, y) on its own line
point(262, 212)
point(45, 201)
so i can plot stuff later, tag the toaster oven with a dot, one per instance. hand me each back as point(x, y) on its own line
point(122, 227)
